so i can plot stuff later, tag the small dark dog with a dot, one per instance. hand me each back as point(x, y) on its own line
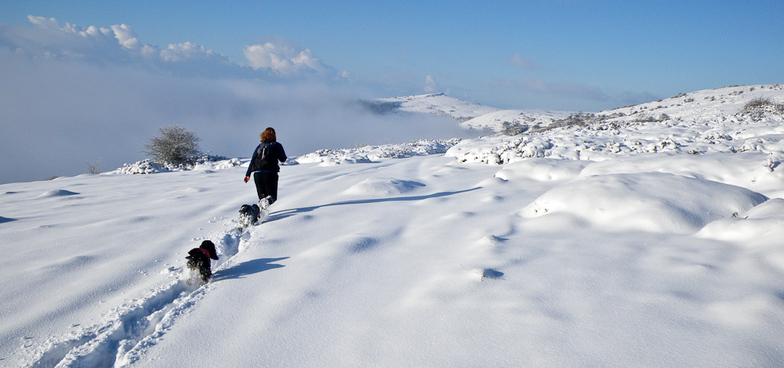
point(249, 215)
point(199, 259)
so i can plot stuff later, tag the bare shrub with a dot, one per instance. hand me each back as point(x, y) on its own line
point(759, 107)
point(644, 118)
point(579, 120)
point(93, 168)
point(513, 128)
point(174, 145)
point(760, 102)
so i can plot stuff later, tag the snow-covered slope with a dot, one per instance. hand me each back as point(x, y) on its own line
point(695, 123)
point(614, 242)
point(469, 115)
point(700, 105)
point(438, 104)
point(499, 121)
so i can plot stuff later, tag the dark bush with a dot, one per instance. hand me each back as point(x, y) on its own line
point(762, 103)
point(513, 128)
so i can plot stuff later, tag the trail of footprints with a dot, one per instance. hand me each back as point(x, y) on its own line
point(131, 328)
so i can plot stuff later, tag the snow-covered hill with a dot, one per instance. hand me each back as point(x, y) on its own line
point(694, 123)
point(438, 104)
point(700, 105)
point(649, 235)
point(470, 115)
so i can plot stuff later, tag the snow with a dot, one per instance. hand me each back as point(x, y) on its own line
point(623, 242)
point(494, 121)
point(438, 104)
point(650, 202)
point(366, 154)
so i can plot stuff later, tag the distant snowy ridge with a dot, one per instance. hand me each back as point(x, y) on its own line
point(438, 104)
point(695, 123)
point(470, 115)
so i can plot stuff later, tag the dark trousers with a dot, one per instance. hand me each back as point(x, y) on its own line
point(266, 184)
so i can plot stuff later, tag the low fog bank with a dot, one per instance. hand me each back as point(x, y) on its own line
point(59, 115)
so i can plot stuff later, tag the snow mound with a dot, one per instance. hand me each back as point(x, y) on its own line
point(652, 202)
point(383, 187)
point(544, 169)
point(763, 224)
point(57, 193)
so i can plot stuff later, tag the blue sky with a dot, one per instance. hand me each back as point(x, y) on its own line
point(551, 54)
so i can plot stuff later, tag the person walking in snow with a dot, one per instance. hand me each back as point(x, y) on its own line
point(265, 168)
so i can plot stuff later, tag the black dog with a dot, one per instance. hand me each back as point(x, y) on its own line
point(199, 259)
point(249, 215)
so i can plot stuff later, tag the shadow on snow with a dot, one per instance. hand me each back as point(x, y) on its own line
point(247, 268)
point(293, 211)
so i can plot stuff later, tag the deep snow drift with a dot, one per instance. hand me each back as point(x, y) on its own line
point(626, 240)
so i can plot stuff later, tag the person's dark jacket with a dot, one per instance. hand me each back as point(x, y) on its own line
point(266, 157)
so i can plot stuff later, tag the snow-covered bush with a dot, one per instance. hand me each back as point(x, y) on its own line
point(148, 166)
point(644, 118)
point(369, 153)
point(760, 107)
point(574, 120)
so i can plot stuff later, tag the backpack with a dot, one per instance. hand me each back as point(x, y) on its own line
point(266, 149)
point(263, 153)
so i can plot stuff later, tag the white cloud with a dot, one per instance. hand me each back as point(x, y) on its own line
point(49, 39)
point(46, 38)
point(148, 51)
point(43, 22)
point(430, 84)
point(268, 56)
point(521, 62)
point(285, 59)
point(185, 51)
point(125, 36)
point(119, 44)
